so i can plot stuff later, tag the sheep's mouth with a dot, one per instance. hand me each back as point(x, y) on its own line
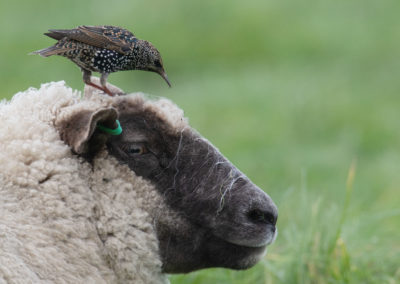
point(261, 241)
point(262, 244)
point(242, 245)
point(209, 250)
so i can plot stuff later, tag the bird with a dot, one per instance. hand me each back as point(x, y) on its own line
point(104, 49)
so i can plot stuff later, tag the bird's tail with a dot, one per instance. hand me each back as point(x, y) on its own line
point(46, 52)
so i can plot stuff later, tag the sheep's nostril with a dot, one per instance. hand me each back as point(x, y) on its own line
point(259, 216)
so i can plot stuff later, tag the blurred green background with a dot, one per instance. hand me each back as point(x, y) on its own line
point(293, 92)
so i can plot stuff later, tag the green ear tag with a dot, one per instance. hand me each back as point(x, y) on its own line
point(116, 131)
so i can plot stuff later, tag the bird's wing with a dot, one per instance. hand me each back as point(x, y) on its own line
point(114, 38)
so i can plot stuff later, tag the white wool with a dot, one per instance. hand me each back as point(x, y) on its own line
point(164, 108)
point(169, 111)
point(62, 220)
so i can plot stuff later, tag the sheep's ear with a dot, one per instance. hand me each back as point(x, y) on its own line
point(80, 131)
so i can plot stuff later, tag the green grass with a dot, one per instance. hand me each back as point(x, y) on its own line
point(292, 92)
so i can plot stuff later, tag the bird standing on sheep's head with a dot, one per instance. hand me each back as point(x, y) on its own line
point(104, 49)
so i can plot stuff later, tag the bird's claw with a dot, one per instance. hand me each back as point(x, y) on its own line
point(110, 89)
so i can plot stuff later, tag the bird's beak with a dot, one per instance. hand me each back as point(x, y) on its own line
point(165, 77)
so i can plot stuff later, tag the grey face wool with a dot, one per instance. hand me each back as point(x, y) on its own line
point(79, 205)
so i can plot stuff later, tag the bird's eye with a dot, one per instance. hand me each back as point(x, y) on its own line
point(157, 63)
point(136, 149)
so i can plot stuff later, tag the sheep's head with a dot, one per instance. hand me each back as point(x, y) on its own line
point(224, 219)
point(231, 219)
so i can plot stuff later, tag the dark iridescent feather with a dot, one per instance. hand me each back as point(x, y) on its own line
point(109, 37)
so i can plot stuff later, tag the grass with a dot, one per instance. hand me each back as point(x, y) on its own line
point(292, 92)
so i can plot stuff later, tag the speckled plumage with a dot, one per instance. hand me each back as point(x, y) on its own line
point(104, 49)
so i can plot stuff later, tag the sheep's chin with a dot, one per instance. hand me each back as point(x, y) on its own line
point(254, 255)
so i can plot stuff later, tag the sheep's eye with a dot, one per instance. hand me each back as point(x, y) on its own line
point(136, 149)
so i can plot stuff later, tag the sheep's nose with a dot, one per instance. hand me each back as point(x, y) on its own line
point(250, 220)
point(263, 216)
point(263, 212)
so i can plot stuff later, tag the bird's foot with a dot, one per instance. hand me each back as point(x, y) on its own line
point(108, 91)
point(104, 89)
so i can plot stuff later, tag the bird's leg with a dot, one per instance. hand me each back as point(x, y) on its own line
point(103, 82)
point(86, 80)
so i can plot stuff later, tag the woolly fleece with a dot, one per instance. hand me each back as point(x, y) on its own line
point(63, 220)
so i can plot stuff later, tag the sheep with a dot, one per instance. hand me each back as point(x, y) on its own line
point(79, 205)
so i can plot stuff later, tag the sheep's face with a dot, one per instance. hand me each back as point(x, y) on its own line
point(222, 219)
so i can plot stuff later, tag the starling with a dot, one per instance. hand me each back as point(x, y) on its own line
point(104, 49)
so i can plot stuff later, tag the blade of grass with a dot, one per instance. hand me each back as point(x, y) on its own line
point(338, 259)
